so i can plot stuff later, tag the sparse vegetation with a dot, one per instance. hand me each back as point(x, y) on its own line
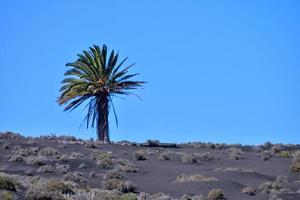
point(68, 167)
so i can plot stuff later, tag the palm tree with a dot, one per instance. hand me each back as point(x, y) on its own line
point(96, 79)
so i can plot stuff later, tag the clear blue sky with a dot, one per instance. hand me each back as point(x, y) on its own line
point(220, 71)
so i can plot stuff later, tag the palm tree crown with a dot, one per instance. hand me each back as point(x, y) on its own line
point(96, 78)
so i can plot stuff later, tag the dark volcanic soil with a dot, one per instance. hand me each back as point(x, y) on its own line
point(230, 168)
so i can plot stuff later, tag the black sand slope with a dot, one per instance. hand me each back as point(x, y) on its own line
point(64, 167)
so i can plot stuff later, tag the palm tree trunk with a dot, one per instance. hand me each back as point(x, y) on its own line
point(102, 121)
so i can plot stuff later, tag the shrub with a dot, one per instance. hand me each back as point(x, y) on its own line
point(206, 156)
point(249, 190)
point(90, 145)
point(235, 153)
point(7, 183)
point(126, 166)
point(113, 180)
point(295, 167)
point(182, 178)
point(282, 179)
point(113, 184)
point(75, 177)
point(129, 196)
point(215, 194)
point(76, 155)
point(92, 174)
point(62, 168)
point(82, 166)
point(60, 186)
point(8, 135)
point(277, 148)
point(198, 197)
point(35, 160)
point(46, 169)
point(48, 151)
point(266, 155)
point(296, 156)
point(188, 158)
point(105, 161)
point(165, 156)
point(144, 196)
point(185, 197)
point(99, 194)
point(6, 195)
point(64, 158)
point(161, 196)
point(16, 158)
point(267, 187)
point(285, 154)
point(52, 189)
point(140, 155)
